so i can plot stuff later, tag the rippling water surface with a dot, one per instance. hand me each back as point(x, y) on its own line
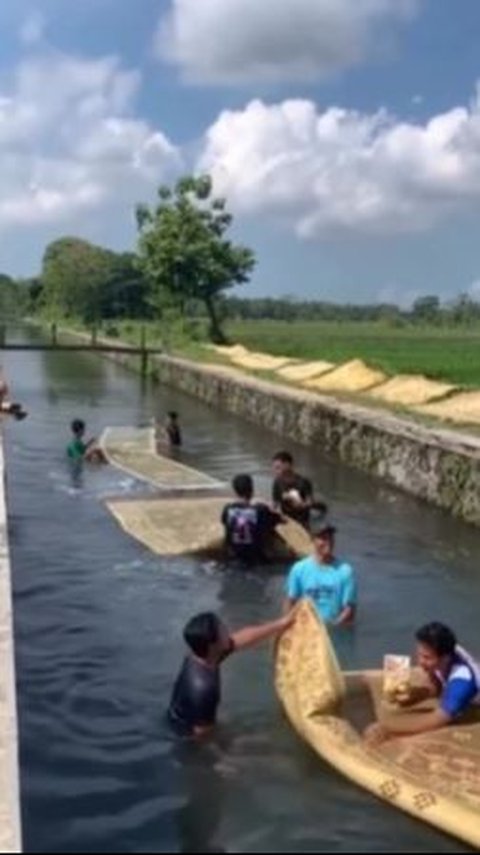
point(98, 632)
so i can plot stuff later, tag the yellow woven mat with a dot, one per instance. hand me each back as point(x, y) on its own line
point(191, 525)
point(434, 777)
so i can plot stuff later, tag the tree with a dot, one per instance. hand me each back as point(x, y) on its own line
point(427, 309)
point(83, 280)
point(125, 291)
point(12, 298)
point(464, 310)
point(73, 273)
point(184, 251)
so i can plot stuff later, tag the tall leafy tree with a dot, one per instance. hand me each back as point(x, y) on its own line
point(11, 298)
point(90, 282)
point(73, 274)
point(185, 252)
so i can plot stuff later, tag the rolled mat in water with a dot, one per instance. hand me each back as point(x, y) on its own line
point(133, 450)
point(434, 777)
point(187, 525)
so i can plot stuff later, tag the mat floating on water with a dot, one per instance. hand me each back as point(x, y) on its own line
point(434, 777)
point(191, 526)
point(134, 451)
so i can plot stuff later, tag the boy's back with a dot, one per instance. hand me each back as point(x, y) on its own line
point(248, 528)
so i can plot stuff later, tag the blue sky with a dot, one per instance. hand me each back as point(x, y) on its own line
point(345, 133)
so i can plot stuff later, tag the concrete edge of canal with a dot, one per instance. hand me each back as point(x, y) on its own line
point(437, 465)
point(10, 823)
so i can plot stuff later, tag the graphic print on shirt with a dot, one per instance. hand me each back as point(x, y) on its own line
point(242, 524)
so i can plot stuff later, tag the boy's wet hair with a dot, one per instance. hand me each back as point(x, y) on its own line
point(173, 415)
point(283, 457)
point(243, 486)
point(201, 632)
point(438, 638)
point(78, 426)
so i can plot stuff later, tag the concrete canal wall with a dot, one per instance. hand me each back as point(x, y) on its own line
point(10, 835)
point(437, 465)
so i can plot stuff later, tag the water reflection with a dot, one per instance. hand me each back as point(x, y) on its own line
point(199, 818)
point(76, 472)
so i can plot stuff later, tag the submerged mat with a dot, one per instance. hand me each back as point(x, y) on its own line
point(134, 451)
point(434, 777)
point(191, 526)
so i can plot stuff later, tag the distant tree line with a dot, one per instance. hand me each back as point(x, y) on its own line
point(184, 266)
point(426, 310)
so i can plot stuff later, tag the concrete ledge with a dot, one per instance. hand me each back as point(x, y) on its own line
point(10, 833)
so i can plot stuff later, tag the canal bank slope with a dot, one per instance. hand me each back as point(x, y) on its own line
point(434, 464)
point(10, 835)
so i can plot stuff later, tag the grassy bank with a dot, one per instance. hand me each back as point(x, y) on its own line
point(448, 354)
point(451, 354)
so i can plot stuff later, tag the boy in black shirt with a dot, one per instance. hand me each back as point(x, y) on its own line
point(197, 692)
point(292, 494)
point(249, 525)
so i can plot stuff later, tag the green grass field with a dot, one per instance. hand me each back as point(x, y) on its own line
point(447, 354)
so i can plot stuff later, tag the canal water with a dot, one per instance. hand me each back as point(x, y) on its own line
point(98, 639)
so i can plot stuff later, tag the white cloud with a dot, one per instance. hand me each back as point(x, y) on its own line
point(398, 295)
point(344, 170)
point(69, 142)
point(241, 41)
point(32, 29)
point(474, 290)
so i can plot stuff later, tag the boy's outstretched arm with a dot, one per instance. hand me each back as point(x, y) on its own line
point(252, 635)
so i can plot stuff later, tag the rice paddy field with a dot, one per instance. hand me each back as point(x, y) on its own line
point(451, 354)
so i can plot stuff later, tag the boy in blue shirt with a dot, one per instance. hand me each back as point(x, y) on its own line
point(327, 581)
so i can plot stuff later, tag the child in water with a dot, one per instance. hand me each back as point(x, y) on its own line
point(9, 408)
point(173, 431)
point(79, 449)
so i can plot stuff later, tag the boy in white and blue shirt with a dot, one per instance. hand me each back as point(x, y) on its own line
point(453, 679)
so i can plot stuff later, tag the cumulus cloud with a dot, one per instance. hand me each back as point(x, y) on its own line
point(474, 290)
point(241, 41)
point(32, 29)
point(345, 170)
point(69, 141)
